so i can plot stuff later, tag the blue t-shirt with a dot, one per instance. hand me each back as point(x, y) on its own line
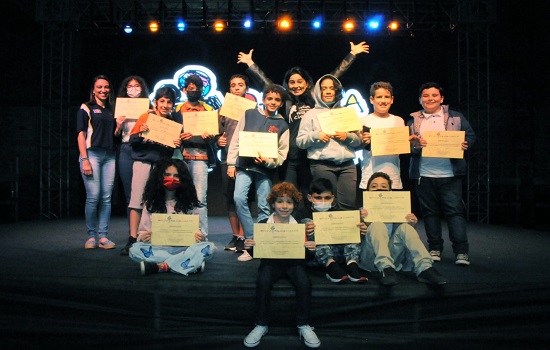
point(98, 124)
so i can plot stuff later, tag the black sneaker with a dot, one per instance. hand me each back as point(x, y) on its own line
point(231, 244)
point(389, 278)
point(431, 276)
point(354, 273)
point(126, 249)
point(148, 268)
point(335, 273)
point(239, 245)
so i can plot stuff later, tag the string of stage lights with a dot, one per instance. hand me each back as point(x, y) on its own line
point(285, 24)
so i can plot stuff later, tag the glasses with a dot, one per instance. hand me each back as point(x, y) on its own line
point(133, 87)
point(323, 198)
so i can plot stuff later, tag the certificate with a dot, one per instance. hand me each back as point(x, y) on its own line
point(387, 206)
point(162, 130)
point(444, 144)
point(279, 241)
point(252, 143)
point(177, 230)
point(131, 108)
point(234, 106)
point(337, 227)
point(339, 119)
point(197, 123)
point(388, 141)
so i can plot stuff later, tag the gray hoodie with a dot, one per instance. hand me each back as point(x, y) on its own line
point(308, 135)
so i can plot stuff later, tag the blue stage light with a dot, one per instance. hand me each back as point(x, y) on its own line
point(181, 26)
point(374, 22)
point(128, 29)
point(247, 23)
point(317, 23)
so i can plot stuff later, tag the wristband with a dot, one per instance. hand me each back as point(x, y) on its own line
point(85, 159)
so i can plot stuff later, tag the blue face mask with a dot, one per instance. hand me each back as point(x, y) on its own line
point(321, 206)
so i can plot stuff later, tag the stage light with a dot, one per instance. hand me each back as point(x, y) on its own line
point(181, 26)
point(393, 26)
point(373, 23)
point(247, 23)
point(128, 29)
point(153, 27)
point(219, 26)
point(349, 25)
point(284, 23)
point(317, 23)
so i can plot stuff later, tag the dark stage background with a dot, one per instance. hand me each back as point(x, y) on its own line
point(519, 164)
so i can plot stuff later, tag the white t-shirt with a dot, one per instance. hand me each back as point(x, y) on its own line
point(387, 164)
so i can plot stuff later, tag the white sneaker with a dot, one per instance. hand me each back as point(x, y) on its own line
point(309, 336)
point(244, 256)
point(253, 338)
point(462, 259)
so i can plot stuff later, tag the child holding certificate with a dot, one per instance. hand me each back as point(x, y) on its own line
point(388, 247)
point(381, 98)
point(146, 152)
point(330, 256)
point(169, 190)
point(258, 169)
point(283, 198)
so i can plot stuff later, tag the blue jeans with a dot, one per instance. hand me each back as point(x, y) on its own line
point(393, 245)
point(199, 173)
point(99, 188)
point(243, 182)
point(443, 197)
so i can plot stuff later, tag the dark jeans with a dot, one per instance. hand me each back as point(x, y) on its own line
point(443, 197)
point(268, 273)
point(343, 178)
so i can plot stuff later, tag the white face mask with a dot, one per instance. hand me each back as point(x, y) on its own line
point(322, 206)
point(133, 92)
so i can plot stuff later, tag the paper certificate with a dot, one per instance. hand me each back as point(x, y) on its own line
point(252, 143)
point(162, 130)
point(131, 108)
point(279, 241)
point(387, 206)
point(388, 141)
point(444, 144)
point(339, 119)
point(177, 230)
point(197, 123)
point(234, 106)
point(337, 227)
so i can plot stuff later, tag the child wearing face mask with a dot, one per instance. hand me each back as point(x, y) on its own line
point(195, 148)
point(321, 199)
point(169, 190)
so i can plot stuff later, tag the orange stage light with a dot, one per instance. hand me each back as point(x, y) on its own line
point(153, 27)
point(284, 23)
point(349, 25)
point(219, 26)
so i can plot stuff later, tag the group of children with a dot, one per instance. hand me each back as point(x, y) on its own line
point(163, 182)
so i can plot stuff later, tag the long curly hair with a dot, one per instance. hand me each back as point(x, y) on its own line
point(154, 195)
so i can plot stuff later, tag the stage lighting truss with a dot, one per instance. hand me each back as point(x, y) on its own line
point(328, 16)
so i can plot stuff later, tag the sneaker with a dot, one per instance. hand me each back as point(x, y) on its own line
point(462, 259)
point(335, 273)
point(106, 244)
point(148, 268)
point(253, 338)
point(435, 255)
point(126, 249)
point(389, 278)
point(309, 336)
point(245, 256)
point(231, 244)
point(90, 243)
point(431, 276)
point(239, 245)
point(354, 273)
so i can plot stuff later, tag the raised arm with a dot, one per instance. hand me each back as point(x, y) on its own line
point(253, 70)
point(350, 57)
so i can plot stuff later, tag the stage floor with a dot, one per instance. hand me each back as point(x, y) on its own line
point(55, 293)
